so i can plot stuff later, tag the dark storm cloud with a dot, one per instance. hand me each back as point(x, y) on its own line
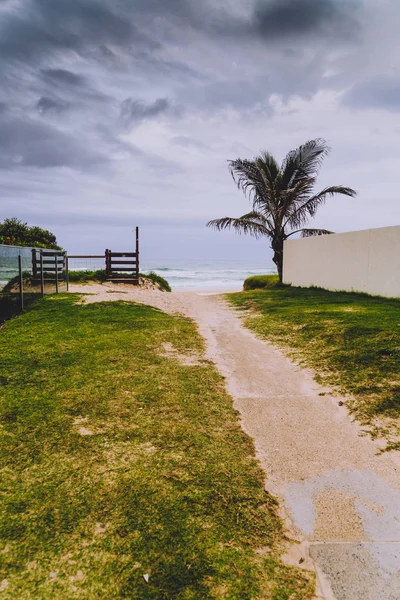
point(133, 34)
point(46, 105)
point(64, 77)
point(31, 143)
point(168, 68)
point(80, 58)
point(88, 20)
point(379, 92)
point(269, 19)
point(291, 18)
point(73, 86)
point(44, 26)
point(133, 111)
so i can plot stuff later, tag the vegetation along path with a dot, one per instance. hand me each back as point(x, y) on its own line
point(340, 495)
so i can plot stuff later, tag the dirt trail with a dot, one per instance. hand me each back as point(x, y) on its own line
point(340, 498)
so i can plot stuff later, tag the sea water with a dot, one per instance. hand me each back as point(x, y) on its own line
point(193, 274)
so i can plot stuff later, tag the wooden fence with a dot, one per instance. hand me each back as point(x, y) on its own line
point(49, 266)
point(121, 267)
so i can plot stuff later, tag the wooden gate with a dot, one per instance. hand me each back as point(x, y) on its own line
point(123, 267)
point(49, 266)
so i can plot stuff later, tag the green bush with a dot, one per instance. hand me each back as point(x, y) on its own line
point(261, 282)
point(16, 233)
point(163, 283)
point(85, 276)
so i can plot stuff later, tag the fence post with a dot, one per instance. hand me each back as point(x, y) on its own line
point(66, 271)
point(137, 253)
point(21, 282)
point(56, 265)
point(34, 263)
point(41, 273)
point(107, 262)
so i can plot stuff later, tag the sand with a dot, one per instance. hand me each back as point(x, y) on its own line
point(340, 498)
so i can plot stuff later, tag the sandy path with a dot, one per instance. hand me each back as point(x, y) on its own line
point(341, 499)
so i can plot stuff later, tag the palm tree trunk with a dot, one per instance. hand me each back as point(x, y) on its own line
point(278, 260)
point(277, 247)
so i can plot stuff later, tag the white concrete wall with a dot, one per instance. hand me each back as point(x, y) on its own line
point(360, 261)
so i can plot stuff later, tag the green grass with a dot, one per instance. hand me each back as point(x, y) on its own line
point(261, 282)
point(119, 461)
point(10, 304)
point(10, 301)
point(100, 276)
point(351, 341)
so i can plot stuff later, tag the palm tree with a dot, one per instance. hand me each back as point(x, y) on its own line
point(283, 197)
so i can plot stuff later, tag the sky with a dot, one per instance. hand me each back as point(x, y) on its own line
point(117, 113)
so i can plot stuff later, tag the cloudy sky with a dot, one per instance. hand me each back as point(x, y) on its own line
point(116, 113)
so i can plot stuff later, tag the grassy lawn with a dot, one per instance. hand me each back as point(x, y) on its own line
point(125, 473)
point(351, 341)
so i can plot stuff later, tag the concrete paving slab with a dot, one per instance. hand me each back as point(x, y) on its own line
point(360, 571)
point(375, 505)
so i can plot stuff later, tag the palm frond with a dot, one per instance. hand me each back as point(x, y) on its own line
point(269, 166)
point(293, 197)
point(245, 224)
point(305, 233)
point(259, 217)
point(246, 176)
point(304, 162)
point(301, 213)
point(255, 216)
point(256, 179)
point(270, 175)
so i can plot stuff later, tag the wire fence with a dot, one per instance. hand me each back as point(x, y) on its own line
point(86, 263)
point(28, 273)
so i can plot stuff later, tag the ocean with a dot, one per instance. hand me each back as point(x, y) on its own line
point(207, 275)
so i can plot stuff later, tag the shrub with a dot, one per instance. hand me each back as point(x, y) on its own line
point(163, 283)
point(84, 276)
point(261, 282)
point(15, 232)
